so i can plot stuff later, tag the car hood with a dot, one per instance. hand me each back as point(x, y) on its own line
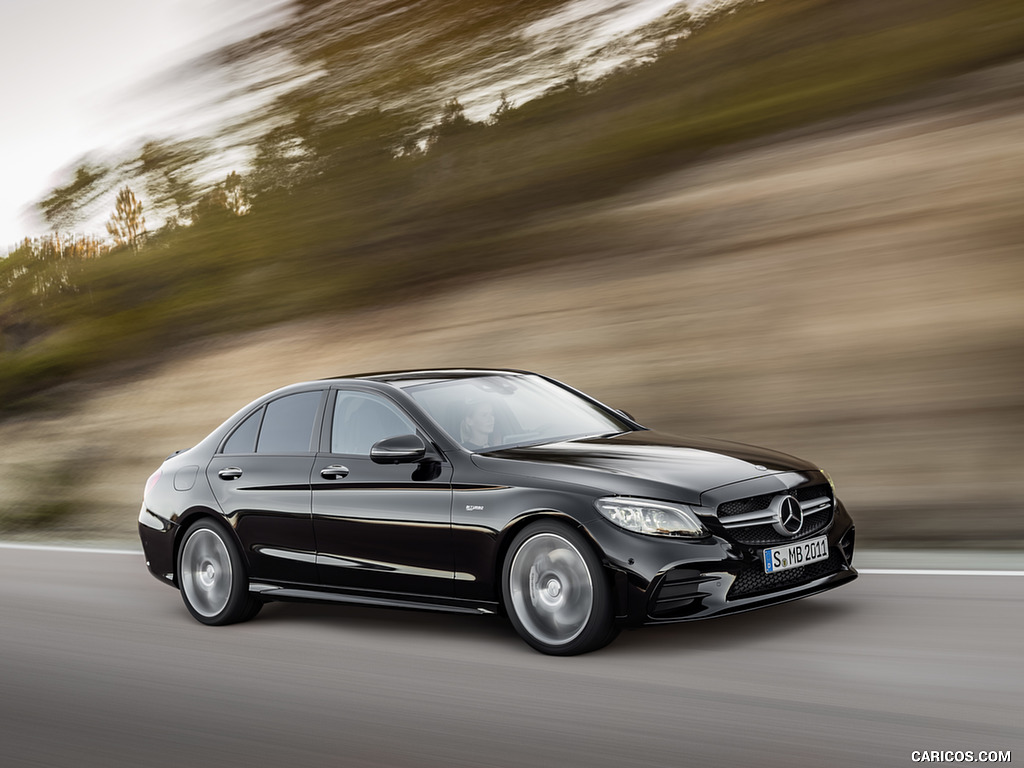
point(692, 465)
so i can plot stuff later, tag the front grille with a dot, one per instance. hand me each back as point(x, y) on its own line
point(738, 507)
point(761, 535)
point(754, 581)
point(743, 523)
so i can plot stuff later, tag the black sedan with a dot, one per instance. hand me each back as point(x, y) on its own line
point(486, 491)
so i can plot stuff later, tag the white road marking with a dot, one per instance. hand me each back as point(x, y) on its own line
point(57, 548)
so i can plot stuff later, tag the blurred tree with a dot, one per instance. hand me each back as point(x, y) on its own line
point(453, 121)
point(127, 225)
point(368, 53)
point(40, 269)
point(454, 115)
point(68, 206)
point(283, 161)
point(355, 156)
point(235, 199)
point(503, 110)
point(227, 199)
point(169, 170)
point(212, 205)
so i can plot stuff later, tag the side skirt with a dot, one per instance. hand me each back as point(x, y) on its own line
point(271, 592)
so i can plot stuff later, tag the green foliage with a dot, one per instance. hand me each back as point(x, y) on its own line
point(342, 207)
point(225, 200)
point(35, 276)
point(168, 171)
point(68, 206)
point(283, 162)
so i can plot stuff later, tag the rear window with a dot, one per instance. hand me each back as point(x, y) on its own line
point(243, 439)
point(288, 424)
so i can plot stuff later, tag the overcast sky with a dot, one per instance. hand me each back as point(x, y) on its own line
point(69, 72)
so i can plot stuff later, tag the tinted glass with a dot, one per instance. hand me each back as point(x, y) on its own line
point(499, 411)
point(288, 424)
point(361, 419)
point(243, 439)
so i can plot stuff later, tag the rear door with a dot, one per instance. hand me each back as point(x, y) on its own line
point(261, 479)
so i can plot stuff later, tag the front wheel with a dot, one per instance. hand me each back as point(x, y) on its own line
point(556, 592)
point(212, 577)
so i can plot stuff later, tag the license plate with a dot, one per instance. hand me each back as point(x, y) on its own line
point(794, 555)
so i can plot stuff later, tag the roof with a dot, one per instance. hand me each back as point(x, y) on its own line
point(435, 373)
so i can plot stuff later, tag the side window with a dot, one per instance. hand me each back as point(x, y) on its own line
point(362, 419)
point(288, 424)
point(243, 439)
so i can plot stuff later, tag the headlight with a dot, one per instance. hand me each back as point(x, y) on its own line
point(654, 518)
point(832, 485)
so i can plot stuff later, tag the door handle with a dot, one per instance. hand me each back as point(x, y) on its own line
point(230, 473)
point(334, 472)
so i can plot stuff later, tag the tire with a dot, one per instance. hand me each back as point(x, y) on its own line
point(556, 592)
point(212, 576)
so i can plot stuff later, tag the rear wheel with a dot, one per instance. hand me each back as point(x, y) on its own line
point(212, 576)
point(556, 592)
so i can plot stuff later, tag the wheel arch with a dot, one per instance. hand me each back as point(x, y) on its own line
point(188, 518)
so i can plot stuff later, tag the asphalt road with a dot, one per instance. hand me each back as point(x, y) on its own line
point(101, 665)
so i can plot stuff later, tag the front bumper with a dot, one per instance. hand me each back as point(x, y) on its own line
point(659, 581)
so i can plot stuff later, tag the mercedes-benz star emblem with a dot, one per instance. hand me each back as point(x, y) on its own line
point(789, 516)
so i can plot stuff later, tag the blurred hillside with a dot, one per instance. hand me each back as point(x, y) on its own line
point(799, 227)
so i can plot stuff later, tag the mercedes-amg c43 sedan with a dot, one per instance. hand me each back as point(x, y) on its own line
point(486, 491)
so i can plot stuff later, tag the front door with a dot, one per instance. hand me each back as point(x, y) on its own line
point(379, 527)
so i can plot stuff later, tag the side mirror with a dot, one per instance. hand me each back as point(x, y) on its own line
point(401, 449)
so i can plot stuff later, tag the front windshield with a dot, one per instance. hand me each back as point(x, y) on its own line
point(485, 413)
